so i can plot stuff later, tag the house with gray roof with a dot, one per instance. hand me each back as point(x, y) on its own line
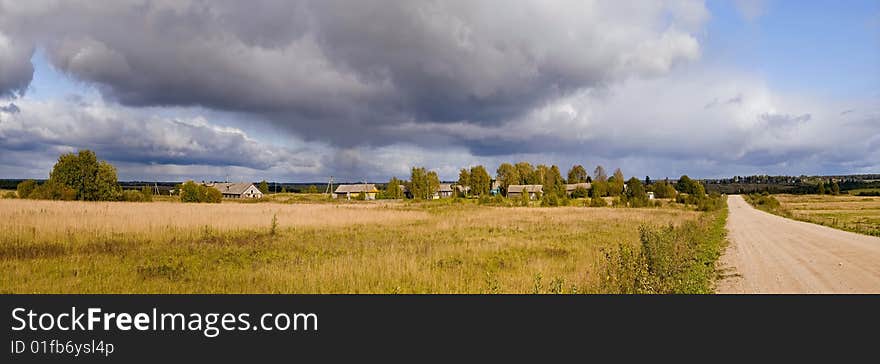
point(355, 190)
point(236, 190)
point(516, 191)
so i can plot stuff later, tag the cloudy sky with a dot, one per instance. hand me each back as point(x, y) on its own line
point(363, 90)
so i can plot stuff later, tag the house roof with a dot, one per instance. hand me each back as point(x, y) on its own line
point(526, 188)
point(572, 186)
point(230, 188)
point(445, 187)
point(357, 188)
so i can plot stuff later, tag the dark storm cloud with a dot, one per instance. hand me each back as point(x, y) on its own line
point(334, 70)
point(121, 135)
point(16, 70)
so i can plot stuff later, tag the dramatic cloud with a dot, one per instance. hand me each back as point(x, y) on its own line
point(335, 69)
point(16, 70)
point(126, 136)
point(367, 89)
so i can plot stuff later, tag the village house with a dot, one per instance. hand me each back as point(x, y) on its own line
point(570, 187)
point(496, 188)
point(354, 191)
point(516, 191)
point(444, 191)
point(236, 190)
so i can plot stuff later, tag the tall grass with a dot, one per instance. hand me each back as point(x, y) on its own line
point(377, 247)
point(671, 259)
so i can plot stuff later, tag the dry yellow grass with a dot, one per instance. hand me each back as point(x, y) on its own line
point(375, 247)
point(854, 213)
point(51, 221)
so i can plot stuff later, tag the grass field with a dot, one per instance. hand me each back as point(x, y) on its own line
point(365, 247)
point(853, 213)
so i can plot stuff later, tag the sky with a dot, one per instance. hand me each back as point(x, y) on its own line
point(298, 91)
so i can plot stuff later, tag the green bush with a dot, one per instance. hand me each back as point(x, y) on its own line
point(550, 200)
point(53, 191)
point(580, 192)
point(598, 202)
point(26, 187)
point(668, 260)
point(193, 192)
point(133, 196)
point(10, 194)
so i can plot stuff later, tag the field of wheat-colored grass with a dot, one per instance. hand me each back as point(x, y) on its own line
point(859, 214)
point(371, 247)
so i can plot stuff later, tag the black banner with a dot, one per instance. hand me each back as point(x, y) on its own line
point(129, 328)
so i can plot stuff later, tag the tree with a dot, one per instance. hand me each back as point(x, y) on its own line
point(393, 189)
point(835, 188)
point(422, 183)
point(312, 189)
point(577, 174)
point(538, 175)
point(553, 182)
point(263, 187)
point(635, 193)
point(526, 173)
point(821, 188)
point(599, 174)
point(599, 189)
point(507, 175)
point(89, 178)
point(615, 187)
point(684, 184)
point(480, 182)
point(464, 178)
point(647, 181)
point(433, 183)
point(663, 189)
point(25, 188)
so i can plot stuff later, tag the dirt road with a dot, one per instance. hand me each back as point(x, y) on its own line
point(772, 254)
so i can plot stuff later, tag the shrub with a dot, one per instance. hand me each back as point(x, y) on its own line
point(53, 191)
point(26, 187)
point(598, 202)
point(193, 192)
point(550, 199)
point(667, 260)
point(133, 196)
point(9, 194)
point(580, 192)
point(147, 193)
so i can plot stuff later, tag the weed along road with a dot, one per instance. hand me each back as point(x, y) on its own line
point(773, 254)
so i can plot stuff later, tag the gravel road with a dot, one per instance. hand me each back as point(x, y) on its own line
point(772, 254)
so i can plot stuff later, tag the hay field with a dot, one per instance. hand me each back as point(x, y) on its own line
point(859, 214)
point(372, 247)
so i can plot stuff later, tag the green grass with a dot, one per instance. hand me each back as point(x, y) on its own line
point(672, 259)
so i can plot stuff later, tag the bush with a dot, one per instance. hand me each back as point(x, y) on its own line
point(668, 260)
point(580, 192)
point(133, 196)
point(10, 194)
point(550, 200)
point(598, 202)
point(53, 191)
point(193, 192)
point(26, 187)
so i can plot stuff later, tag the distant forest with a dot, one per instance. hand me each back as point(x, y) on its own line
point(733, 185)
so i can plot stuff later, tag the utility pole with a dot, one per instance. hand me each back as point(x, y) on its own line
point(329, 185)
